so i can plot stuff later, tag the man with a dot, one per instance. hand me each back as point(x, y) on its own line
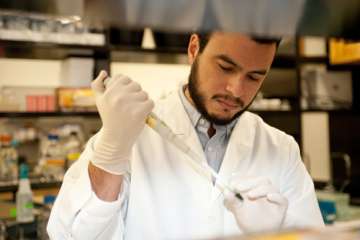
point(130, 183)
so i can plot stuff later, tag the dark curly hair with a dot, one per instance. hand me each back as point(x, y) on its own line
point(205, 37)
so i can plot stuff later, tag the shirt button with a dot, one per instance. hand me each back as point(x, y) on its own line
point(202, 121)
point(210, 149)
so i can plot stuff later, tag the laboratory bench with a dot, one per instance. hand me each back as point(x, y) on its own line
point(336, 207)
point(11, 229)
point(38, 186)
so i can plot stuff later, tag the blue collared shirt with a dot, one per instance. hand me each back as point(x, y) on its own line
point(214, 147)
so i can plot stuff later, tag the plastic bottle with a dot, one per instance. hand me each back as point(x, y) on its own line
point(8, 159)
point(73, 148)
point(52, 162)
point(24, 203)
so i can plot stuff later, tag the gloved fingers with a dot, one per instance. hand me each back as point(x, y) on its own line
point(277, 198)
point(231, 202)
point(143, 109)
point(148, 106)
point(260, 191)
point(98, 84)
point(115, 83)
point(247, 184)
point(133, 87)
point(122, 79)
point(119, 89)
point(139, 96)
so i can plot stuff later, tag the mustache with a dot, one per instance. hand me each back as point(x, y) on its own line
point(234, 100)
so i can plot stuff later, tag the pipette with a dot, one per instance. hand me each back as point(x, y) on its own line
point(164, 131)
point(159, 126)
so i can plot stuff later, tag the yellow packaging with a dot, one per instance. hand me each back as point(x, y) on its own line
point(344, 52)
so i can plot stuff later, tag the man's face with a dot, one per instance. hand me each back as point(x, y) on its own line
point(227, 75)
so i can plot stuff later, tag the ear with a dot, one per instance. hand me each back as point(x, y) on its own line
point(193, 48)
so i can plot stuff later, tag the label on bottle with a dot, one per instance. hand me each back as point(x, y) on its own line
point(24, 208)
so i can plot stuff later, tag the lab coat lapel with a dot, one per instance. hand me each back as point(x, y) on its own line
point(178, 120)
point(236, 158)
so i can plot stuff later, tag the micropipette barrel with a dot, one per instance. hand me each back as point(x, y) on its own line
point(164, 131)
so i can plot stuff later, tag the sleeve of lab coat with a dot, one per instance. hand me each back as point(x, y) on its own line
point(79, 214)
point(303, 209)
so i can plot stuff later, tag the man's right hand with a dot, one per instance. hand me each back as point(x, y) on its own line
point(123, 107)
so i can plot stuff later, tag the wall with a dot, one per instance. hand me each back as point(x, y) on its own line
point(156, 79)
point(315, 143)
point(26, 72)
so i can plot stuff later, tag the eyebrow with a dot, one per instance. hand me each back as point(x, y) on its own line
point(230, 61)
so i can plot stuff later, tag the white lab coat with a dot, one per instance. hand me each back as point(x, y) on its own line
point(169, 198)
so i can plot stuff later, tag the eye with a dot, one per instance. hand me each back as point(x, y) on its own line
point(253, 78)
point(225, 68)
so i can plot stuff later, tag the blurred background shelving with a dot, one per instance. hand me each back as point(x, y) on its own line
point(48, 66)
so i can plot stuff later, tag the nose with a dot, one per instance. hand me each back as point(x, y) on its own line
point(235, 85)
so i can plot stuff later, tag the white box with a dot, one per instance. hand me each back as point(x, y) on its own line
point(77, 72)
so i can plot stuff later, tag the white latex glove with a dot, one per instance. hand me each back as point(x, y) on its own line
point(123, 107)
point(263, 207)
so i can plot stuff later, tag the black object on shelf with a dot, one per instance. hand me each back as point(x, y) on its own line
point(284, 61)
point(171, 40)
point(126, 37)
point(320, 185)
point(354, 190)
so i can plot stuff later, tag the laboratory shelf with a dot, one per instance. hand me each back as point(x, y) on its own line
point(47, 50)
point(29, 44)
point(329, 66)
point(352, 112)
point(178, 50)
point(47, 114)
point(35, 184)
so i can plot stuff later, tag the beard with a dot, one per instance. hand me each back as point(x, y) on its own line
point(199, 99)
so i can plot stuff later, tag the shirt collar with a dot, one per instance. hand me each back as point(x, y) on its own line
point(200, 122)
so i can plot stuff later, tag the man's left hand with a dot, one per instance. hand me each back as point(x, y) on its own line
point(263, 207)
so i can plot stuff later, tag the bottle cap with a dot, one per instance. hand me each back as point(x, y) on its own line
point(53, 137)
point(49, 199)
point(24, 171)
